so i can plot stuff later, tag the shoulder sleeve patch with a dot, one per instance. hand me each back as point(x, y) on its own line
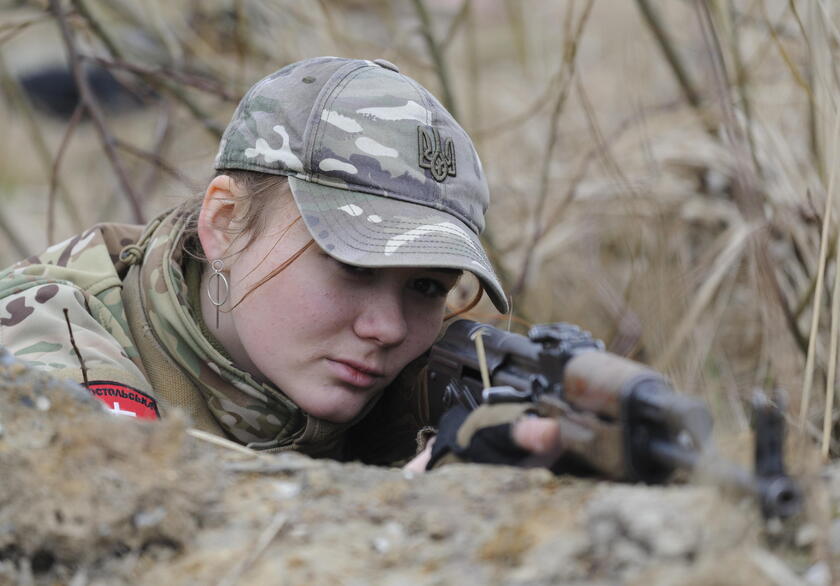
point(124, 400)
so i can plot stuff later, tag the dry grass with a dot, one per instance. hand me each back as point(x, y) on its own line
point(685, 231)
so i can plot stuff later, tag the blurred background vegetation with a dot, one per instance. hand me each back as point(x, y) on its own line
point(662, 171)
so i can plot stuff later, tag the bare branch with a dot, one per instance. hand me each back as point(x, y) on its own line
point(59, 156)
point(437, 56)
point(172, 89)
point(665, 43)
point(92, 105)
point(76, 349)
point(156, 76)
point(19, 99)
point(155, 160)
point(458, 20)
point(567, 73)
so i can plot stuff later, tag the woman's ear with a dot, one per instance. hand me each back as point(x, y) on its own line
point(217, 216)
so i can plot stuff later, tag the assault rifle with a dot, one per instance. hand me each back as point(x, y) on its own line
point(618, 418)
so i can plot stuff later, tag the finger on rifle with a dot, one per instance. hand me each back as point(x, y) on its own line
point(540, 435)
point(418, 463)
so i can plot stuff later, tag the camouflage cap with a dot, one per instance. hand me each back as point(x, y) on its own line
point(382, 173)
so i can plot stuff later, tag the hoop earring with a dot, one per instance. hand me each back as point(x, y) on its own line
point(217, 266)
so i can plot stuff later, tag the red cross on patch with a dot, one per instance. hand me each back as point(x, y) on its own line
point(124, 400)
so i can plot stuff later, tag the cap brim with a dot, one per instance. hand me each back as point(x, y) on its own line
point(375, 231)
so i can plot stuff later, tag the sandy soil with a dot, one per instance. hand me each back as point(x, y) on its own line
point(87, 497)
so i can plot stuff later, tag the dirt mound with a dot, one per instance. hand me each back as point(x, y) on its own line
point(90, 498)
point(81, 487)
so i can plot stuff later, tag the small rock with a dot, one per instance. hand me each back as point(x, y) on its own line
point(381, 544)
point(774, 527)
point(287, 490)
point(774, 568)
point(149, 518)
point(818, 575)
point(806, 535)
point(393, 534)
point(42, 404)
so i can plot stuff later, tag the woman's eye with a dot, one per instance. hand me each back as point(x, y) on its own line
point(430, 287)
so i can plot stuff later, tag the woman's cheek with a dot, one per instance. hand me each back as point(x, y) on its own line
point(426, 326)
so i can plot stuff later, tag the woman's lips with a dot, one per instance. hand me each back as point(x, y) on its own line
point(353, 373)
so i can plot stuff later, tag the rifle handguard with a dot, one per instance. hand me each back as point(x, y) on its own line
point(565, 372)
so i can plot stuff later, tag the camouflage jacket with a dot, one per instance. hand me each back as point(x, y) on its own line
point(110, 309)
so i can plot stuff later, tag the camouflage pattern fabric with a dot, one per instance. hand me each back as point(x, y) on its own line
point(81, 275)
point(382, 173)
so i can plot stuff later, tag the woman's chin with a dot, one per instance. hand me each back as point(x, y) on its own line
point(335, 411)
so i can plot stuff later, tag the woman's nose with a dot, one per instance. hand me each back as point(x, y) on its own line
point(382, 319)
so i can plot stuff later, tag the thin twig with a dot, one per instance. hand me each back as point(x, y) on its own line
point(654, 22)
point(25, 22)
point(814, 142)
point(213, 127)
point(817, 304)
point(151, 9)
point(263, 541)
point(435, 53)
point(152, 76)
point(473, 58)
point(760, 23)
point(742, 82)
point(241, 40)
point(568, 67)
point(517, 25)
point(736, 239)
point(16, 95)
point(832, 361)
point(76, 348)
point(59, 157)
point(790, 316)
point(789, 61)
point(799, 80)
point(803, 302)
point(601, 144)
point(456, 22)
point(92, 105)
point(13, 29)
point(161, 141)
point(21, 250)
point(154, 159)
point(223, 443)
point(515, 122)
point(98, 30)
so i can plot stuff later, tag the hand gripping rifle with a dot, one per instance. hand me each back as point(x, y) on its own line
point(618, 418)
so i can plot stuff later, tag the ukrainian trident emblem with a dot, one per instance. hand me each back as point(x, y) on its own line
point(436, 156)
